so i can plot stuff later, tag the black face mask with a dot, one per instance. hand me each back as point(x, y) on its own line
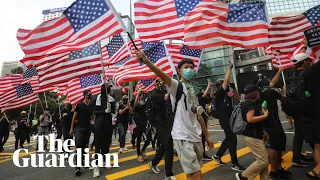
point(90, 96)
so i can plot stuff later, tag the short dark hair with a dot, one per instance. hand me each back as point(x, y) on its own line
point(252, 95)
point(46, 109)
point(185, 61)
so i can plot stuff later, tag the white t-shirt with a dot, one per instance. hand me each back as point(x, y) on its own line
point(185, 126)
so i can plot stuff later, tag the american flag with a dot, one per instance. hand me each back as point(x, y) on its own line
point(75, 64)
point(135, 70)
point(116, 50)
point(19, 96)
point(145, 85)
point(285, 60)
point(111, 70)
point(215, 23)
point(82, 24)
point(286, 33)
point(61, 89)
point(132, 126)
point(76, 87)
point(7, 82)
point(30, 72)
point(180, 52)
point(161, 19)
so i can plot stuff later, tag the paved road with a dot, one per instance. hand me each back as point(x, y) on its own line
point(130, 168)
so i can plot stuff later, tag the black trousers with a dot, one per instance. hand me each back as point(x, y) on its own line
point(230, 142)
point(82, 136)
point(4, 135)
point(165, 149)
point(299, 136)
point(21, 135)
point(138, 133)
point(102, 139)
point(66, 135)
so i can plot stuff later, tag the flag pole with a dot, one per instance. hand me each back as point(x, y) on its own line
point(45, 99)
point(103, 71)
point(35, 110)
point(278, 54)
point(231, 59)
point(40, 103)
point(59, 108)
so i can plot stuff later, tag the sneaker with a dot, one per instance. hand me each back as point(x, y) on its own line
point(306, 158)
point(96, 172)
point(77, 172)
point(120, 150)
point(134, 147)
point(218, 160)
point(170, 178)
point(125, 149)
point(285, 172)
point(155, 169)
point(140, 159)
point(240, 177)
point(299, 163)
point(237, 167)
point(206, 157)
point(144, 156)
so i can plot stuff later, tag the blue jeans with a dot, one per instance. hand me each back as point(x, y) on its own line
point(123, 128)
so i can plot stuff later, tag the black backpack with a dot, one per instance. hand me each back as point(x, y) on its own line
point(170, 114)
point(294, 103)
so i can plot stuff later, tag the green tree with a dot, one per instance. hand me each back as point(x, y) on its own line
point(204, 70)
point(17, 70)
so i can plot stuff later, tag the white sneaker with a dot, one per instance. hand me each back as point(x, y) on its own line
point(96, 172)
point(170, 178)
point(125, 149)
point(120, 150)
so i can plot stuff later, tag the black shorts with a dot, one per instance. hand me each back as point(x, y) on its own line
point(277, 138)
point(311, 131)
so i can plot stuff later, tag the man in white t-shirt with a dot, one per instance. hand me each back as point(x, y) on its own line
point(188, 126)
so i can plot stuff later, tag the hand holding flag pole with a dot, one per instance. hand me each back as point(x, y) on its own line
point(135, 46)
point(284, 80)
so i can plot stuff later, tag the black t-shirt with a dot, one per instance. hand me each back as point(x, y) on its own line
point(67, 120)
point(254, 130)
point(273, 120)
point(22, 122)
point(203, 101)
point(123, 118)
point(4, 125)
point(140, 116)
point(312, 83)
point(223, 102)
point(84, 114)
point(160, 110)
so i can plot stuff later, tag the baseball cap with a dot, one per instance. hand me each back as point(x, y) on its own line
point(250, 88)
point(23, 112)
point(300, 57)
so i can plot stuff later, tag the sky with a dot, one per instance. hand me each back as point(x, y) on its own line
point(27, 14)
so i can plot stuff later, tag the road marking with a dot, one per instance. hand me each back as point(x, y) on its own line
point(286, 164)
point(213, 164)
point(139, 169)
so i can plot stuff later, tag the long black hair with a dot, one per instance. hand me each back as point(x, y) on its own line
point(103, 96)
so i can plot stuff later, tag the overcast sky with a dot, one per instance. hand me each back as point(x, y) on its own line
point(27, 14)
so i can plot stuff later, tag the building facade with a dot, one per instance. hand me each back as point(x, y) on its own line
point(49, 14)
point(7, 66)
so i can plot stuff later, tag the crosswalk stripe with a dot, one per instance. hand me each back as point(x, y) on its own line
point(139, 169)
point(213, 164)
point(286, 164)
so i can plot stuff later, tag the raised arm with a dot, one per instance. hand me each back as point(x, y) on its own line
point(210, 85)
point(227, 77)
point(165, 78)
point(276, 78)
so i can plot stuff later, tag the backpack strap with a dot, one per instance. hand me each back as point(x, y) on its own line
point(178, 96)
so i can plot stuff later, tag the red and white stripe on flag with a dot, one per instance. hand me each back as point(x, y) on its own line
point(75, 90)
point(55, 69)
point(213, 23)
point(133, 70)
point(144, 89)
point(81, 24)
point(177, 56)
point(160, 19)
point(7, 82)
point(20, 102)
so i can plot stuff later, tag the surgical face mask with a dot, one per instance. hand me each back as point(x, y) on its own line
point(142, 102)
point(188, 73)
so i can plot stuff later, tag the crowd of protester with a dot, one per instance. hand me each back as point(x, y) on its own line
point(176, 115)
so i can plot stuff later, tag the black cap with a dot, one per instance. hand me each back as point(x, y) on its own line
point(250, 88)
